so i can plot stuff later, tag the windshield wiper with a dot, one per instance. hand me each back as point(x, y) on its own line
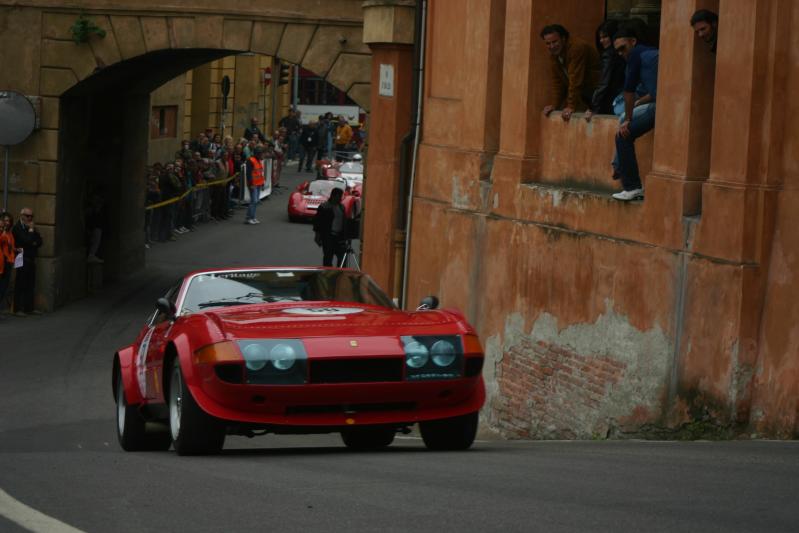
point(230, 301)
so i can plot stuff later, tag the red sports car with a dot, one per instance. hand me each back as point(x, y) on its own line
point(309, 195)
point(304, 350)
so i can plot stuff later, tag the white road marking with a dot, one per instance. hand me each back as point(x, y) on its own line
point(29, 518)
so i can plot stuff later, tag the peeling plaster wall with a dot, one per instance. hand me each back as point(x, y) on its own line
point(582, 381)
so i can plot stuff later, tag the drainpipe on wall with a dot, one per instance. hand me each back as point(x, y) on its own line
point(414, 135)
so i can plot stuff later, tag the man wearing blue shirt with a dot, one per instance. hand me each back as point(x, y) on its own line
point(641, 73)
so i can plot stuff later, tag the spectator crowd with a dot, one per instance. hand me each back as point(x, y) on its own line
point(210, 175)
point(617, 75)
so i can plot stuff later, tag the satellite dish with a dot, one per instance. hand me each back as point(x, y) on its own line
point(17, 117)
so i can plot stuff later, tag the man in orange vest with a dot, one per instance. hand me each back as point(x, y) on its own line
point(255, 181)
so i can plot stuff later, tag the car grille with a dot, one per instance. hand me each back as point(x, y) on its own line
point(349, 409)
point(355, 370)
point(474, 365)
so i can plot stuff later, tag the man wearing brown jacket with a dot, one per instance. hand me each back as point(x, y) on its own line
point(575, 70)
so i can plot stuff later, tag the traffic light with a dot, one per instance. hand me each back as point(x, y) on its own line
point(284, 73)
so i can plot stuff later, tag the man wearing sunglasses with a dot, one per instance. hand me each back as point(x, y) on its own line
point(27, 238)
point(641, 71)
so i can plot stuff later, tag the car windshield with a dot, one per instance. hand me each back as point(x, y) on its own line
point(352, 167)
point(323, 187)
point(218, 289)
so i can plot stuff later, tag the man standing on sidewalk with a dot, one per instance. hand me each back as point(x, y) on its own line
point(309, 140)
point(27, 238)
point(255, 180)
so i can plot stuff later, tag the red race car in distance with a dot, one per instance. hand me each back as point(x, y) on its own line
point(328, 169)
point(303, 350)
point(309, 195)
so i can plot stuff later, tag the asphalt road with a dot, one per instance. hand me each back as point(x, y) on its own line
point(60, 464)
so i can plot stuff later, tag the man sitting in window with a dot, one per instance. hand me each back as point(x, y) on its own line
point(575, 71)
point(642, 70)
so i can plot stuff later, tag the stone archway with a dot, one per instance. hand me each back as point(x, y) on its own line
point(94, 101)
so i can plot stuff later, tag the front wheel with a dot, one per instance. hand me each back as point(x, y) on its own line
point(455, 433)
point(368, 438)
point(193, 431)
point(132, 430)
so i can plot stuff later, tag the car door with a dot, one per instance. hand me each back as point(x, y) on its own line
point(157, 339)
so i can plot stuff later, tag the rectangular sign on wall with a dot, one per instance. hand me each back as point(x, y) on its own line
point(386, 80)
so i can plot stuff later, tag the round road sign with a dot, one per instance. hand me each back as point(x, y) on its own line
point(17, 117)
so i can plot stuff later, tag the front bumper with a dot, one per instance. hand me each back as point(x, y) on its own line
point(336, 404)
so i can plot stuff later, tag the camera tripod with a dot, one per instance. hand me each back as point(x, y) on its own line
point(349, 252)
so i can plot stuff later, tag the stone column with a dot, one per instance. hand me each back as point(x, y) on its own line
point(740, 203)
point(247, 87)
point(748, 121)
point(683, 133)
point(389, 31)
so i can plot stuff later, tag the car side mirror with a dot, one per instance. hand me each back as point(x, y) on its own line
point(427, 303)
point(166, 307)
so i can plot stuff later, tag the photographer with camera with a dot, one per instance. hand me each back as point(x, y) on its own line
point(330, 228)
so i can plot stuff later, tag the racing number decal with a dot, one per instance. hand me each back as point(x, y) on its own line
point(141, 362)
point(323, 311)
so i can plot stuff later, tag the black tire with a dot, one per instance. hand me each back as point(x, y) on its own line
point(132, 430)
point(193, 431)
point(455, 433)
point(367, 438)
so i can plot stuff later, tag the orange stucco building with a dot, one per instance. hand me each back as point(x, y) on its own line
point(675, 315)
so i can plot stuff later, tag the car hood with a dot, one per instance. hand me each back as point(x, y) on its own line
point(327, 319)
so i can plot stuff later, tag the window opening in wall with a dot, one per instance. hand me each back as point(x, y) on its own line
point(585, 166)
point(646, 11)
point(314, 90)
point(163, 122)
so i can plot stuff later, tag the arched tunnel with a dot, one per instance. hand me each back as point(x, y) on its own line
point(103, 147)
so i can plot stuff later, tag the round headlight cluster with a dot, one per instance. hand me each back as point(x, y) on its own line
point(416, 354)
point(443, 353)
point(283, 356)
point(255, 356)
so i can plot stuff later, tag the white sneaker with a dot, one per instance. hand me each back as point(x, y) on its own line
point(626, 196)
point(256, 221)
point(251, 221)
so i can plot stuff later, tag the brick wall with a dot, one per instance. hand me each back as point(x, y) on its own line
point(547, 391)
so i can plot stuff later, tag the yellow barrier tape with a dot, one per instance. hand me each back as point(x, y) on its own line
point(203, 185)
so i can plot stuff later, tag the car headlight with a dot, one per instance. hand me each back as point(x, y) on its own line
point(255, 356)
point(283, 356)
point(274, 361)
point(433, 357)
point(444, 353)
point(416, 354)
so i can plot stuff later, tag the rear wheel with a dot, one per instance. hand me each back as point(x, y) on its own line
point(193, 431)
point(368, 438)
point(132, 430)
point(455, 433)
